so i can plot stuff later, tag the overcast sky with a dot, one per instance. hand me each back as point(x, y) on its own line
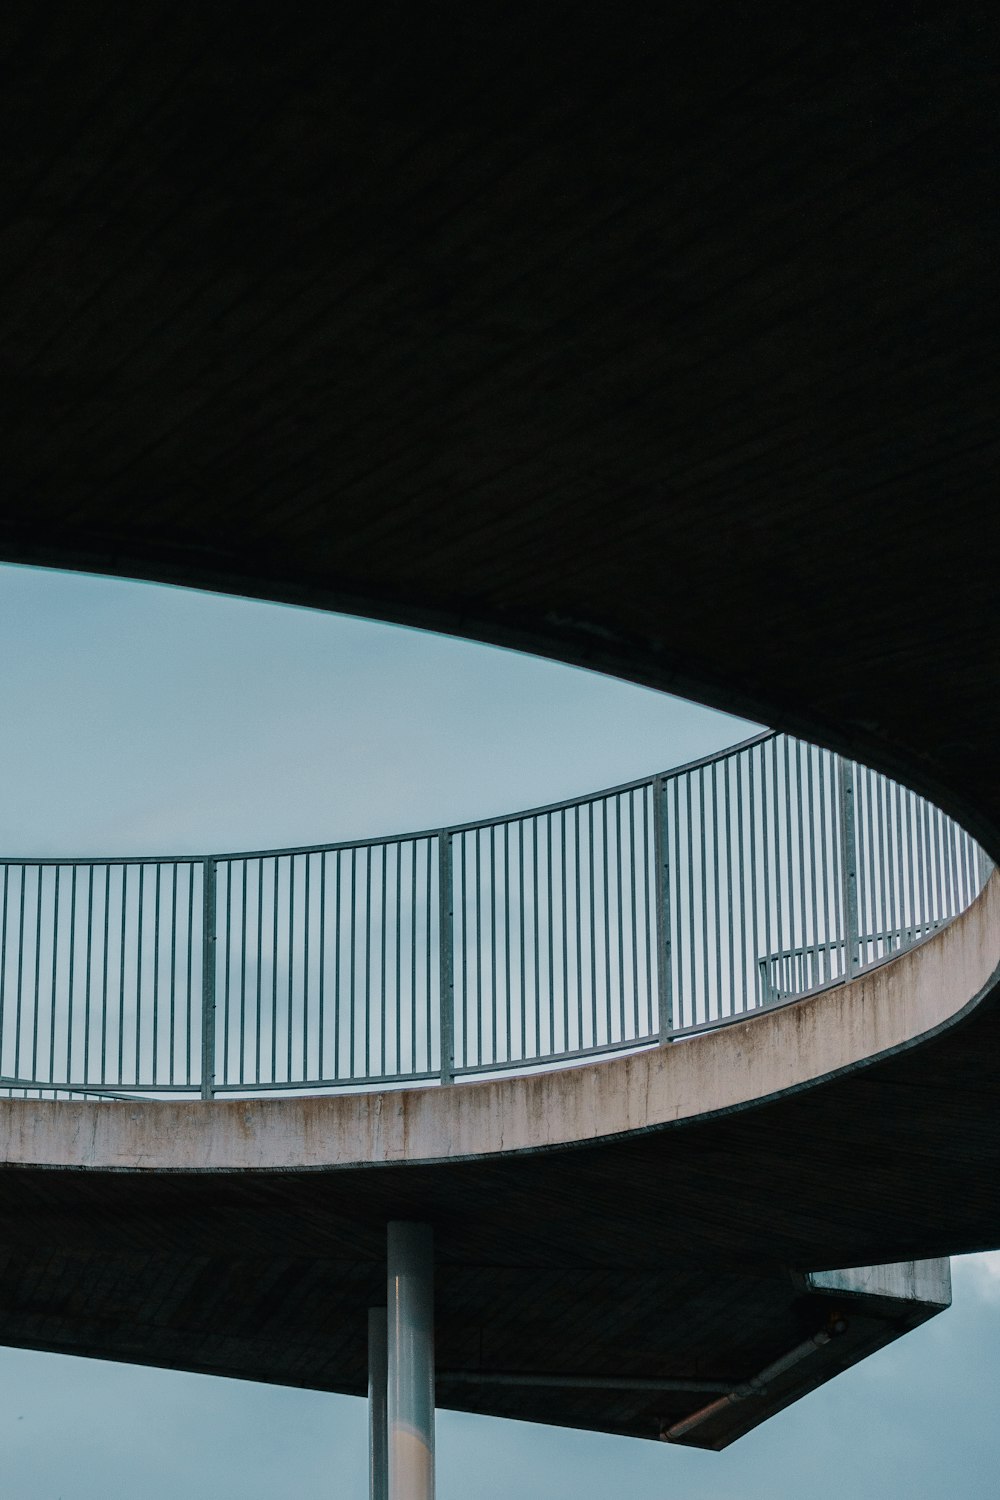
point(150, 720)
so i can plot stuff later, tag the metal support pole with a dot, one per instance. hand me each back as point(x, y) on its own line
point(446, 957)
point(208, 981)
point(848, 863)
point(410, 1411)
point(378, 1448)
point(664, 970)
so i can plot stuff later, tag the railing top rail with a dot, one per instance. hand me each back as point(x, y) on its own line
point(51, 861)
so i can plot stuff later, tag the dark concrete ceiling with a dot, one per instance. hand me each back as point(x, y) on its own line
point(663, 342)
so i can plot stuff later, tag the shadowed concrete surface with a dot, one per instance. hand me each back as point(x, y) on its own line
point(655, 344)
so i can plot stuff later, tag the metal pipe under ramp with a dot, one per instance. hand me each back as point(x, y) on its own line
point(410, 1349)
point(378, 1359)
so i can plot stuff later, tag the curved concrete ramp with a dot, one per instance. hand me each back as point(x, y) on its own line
point(638, 1221)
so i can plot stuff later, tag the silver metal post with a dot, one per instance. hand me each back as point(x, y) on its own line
point(664, 959)
point(848, 864)
point(208, 981)
point(446, 954)
point(410, 1411)
point(378, 1448)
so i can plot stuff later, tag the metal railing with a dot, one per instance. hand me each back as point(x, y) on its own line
point(642, 913)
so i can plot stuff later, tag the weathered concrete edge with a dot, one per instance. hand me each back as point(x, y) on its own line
point(774, 1053)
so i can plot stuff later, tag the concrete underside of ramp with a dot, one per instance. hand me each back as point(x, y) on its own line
point(645, 1218)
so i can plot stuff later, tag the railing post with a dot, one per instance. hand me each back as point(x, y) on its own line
point(446, 959)
point(661, 858)
point(208, 980)
point(848, 863)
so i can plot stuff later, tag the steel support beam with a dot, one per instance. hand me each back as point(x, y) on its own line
point(410, 1410)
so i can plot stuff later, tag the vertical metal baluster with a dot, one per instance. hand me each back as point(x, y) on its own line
point(506, 936)
point(259, 986)
point(55, 961)
point(811, 762)
point(398, 1051)
point(336, 959)
point(89, 982)
point(428, 995)
point(493, 944)
point(649, 917)
point(759, 996)
point(550, 932)
point(673, 926)
point(138, 972)
point(446, 954)
point(208, 940)
point(703, 848)
point(306, 923)
point(242, 1073)
point(952, 829)
point(800, 810)
point(692, 997)
point(717, 887)
point(121, 977)
point(321, 1069)
point(72, 968)
point(466, 1054)
point(20, 974)
point(565, 933)
point(727, 811)
point(664, 957)
point(352, 933)
point(290, 994)
point(3, 965)
point(592, 886)
point(189, 1045)
point(793, 937)
point(779, 890)
point(848, 857)
point(607, 918)
point(738, 764)
point(171, 1051)
point(885, 863)
point(872, 889)
point(911, 892)
point(523, 940)
point(227, 950)
point(368, 957)
point(274, 972)
point(383, 921)
point(924, 863)
point(477, 845)
point(939, 902)
point(156, 974)
point(413, 954)
point(630, 797)
point(825, 839)
point(768, 986)
point(902, 853)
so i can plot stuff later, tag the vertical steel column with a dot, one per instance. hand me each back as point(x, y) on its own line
point(664, 958)
point(446, 959)
point(410, 1407)
point(378, 1447)
point(208, 980)
point(848, 863)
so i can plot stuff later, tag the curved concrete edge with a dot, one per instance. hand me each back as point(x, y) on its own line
point(741, 1065)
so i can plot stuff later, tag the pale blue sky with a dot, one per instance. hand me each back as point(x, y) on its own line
point(139, 720)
